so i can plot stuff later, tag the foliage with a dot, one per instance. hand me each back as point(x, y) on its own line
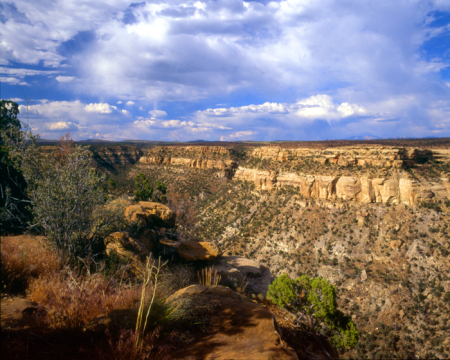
point(314, 298)
point(66, 196)
point(144, 191)
point(8, 115)
point(111, 184)
point(160, 192)
point(12, 183)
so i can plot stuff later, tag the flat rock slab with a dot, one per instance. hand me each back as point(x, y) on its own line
point(18, 311)
point(246, 267)
point(238, 328)
point(193, 250)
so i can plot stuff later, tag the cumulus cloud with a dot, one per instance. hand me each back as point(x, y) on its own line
point(65, 78)
point(157, 113)
point(315, 107)
point(12, 80)
point(102, 108)
point(240, 135)
point(129, 102)
point(352, 64)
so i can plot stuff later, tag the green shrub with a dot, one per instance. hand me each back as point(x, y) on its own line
point(144, 191)
point(315, 298)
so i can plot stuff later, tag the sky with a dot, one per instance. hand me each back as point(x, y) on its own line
point(228, 70)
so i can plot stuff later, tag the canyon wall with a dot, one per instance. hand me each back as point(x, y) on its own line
point(120, 155)
point(375, 156)
point(360, 189)
point(200, 163)
point(201, 157)
point(399, 188)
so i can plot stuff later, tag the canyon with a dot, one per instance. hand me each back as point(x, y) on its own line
point(400, 187)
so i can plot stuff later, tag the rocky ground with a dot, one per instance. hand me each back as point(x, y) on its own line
point(388, 259)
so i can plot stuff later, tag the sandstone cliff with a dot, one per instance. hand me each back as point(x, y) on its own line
point(113, 156)
point(362, 185)
point(201, 157)
point(199, 163)
point(361, 189)
point(375, 156)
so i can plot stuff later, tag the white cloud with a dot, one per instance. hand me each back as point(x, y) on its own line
point(125, 112)
point(21, 73)
point(102, 108)
point(141, 108)
point(315, 107)
point(240, 135)
point(129, 102)
point(366, 60)
point(65, 78)
point(157, 113)
point(16, 99)
point(60, 125)
point(12, 81)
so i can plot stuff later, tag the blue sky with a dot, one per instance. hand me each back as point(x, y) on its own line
point(227, 69)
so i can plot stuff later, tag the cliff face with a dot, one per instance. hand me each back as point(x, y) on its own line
point(364, 187)
point(378, 156)
point(361, 189)
point(200, 163)
point(113, 156)
point(201, 157)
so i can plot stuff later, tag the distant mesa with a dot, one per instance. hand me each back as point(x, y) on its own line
point(198, 141)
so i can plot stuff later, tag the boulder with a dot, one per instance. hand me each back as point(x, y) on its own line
point(192, 250)
point(148, 238)
point(150, 214)
point(395, 244)
point(114, 320)
point(17, 311)
point(126, 247)
point(246, 267)
point(237, 327)
point(363, 275)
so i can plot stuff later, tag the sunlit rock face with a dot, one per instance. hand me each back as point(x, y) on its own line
point(360, 189)
point(344, 156)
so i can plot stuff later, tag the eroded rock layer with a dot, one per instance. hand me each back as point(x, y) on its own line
point(199, 163)
point(361, 189)
point(344, 156)
point(201, 157)
point(121, 155)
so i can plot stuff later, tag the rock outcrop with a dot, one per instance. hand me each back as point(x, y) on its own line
point(237, 327)
point(201, 157)
point(360, 189)
point(344, 156)
point(192, 250)
point(199, 163)
point(150, 214)
point(126, 247)
point(113, 156)
point(18, 311)
point(238, 268)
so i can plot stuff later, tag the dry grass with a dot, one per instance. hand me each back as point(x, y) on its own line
point(20, 264)
point(209, 277)
point(74, 300)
